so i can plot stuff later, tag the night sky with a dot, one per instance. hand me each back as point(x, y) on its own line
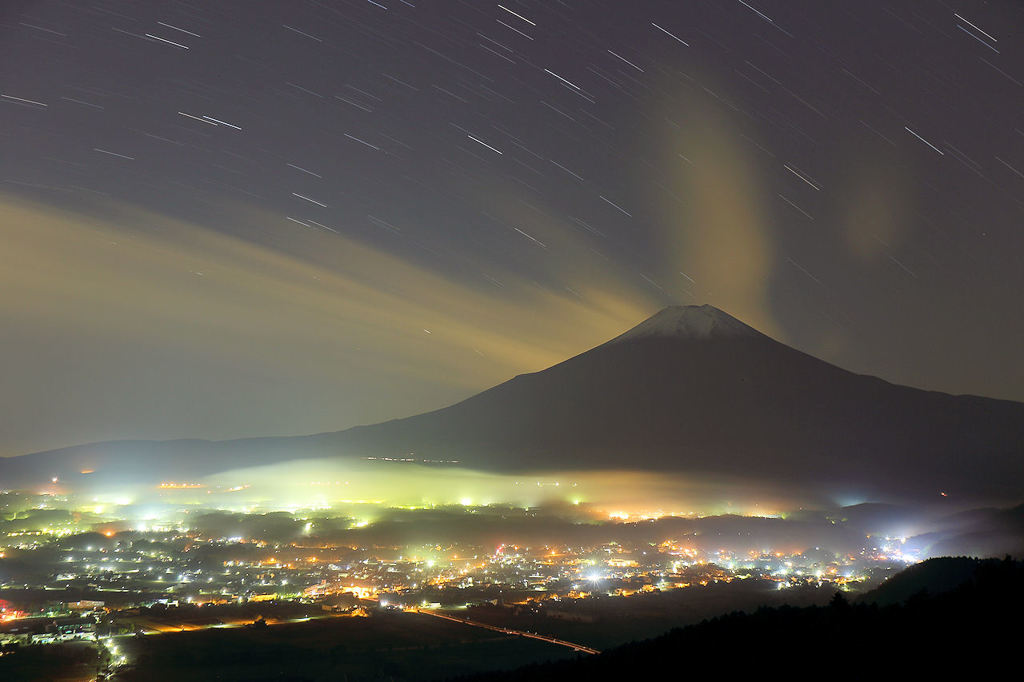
point(236, 218)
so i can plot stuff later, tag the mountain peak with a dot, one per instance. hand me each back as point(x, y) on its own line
point(689, 322)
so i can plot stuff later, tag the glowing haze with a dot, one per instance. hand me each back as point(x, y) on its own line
point(311, 484)
point(268, 337)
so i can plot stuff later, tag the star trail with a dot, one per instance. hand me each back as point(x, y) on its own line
point(230, 218)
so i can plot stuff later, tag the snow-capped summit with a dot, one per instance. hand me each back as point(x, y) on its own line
point(688, 322)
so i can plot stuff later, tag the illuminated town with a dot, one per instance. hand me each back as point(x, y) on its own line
point(87, 571)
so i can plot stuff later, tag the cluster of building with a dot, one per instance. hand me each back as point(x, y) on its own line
point(143, 568)
point(61, 569)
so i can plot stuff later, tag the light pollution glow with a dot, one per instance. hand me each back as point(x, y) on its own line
point(320, 484)
point(179, 330)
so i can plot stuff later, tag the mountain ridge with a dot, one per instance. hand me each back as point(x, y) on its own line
point(691, 389)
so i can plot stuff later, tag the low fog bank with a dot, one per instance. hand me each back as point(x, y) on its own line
point(543, 517)
point(395, 503)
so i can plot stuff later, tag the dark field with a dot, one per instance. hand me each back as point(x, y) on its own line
point(70, 662)
point(400, 646)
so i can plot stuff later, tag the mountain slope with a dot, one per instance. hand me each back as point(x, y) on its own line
point(692, 389)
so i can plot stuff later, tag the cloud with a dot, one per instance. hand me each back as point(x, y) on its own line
point(717, 233)
point(876, 216)
point(124, 323)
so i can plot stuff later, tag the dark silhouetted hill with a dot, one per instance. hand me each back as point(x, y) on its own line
point(974, 626)
point(930, 578)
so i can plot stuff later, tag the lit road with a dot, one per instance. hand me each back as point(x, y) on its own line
point(507, 631)
point(158, 628)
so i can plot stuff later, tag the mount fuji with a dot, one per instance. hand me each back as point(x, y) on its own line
point(689, 390)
